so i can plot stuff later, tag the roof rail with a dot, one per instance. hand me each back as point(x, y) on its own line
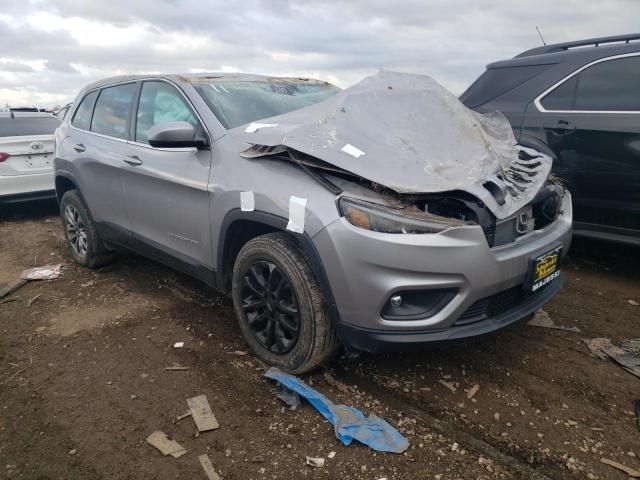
point(596, 42)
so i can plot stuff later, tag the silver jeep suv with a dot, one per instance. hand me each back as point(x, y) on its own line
point(385, 215)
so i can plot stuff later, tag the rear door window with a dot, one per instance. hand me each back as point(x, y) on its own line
point(113, 108)
point(82, 117)
point(160, 102)
point(24, 126)
point(612, 85)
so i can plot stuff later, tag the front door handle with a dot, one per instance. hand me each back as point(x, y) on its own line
point(132, 160)
point(79, 147)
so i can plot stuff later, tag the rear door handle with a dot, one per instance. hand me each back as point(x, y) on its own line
point(79, 147)
point(563, 127)
point(132, 160)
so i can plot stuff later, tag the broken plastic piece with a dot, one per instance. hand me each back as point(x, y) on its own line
point(627, 355)
point(254, 127)
point(315, 461)
point(48, 272)
point(207, 466)
point(297, 211)
point(542, 319)
point(160, 441)
point(12, 287)
point(349, 423)
point(247, 202)
point(178, 345)
point(632, 472)
point(472, 391)
point(202, 414)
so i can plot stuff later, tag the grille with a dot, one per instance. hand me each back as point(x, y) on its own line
point(496, 305)
point(490, 234)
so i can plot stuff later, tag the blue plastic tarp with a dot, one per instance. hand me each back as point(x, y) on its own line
point(349, 423)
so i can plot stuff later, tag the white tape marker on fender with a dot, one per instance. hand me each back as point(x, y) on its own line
point(254, 127)
point(297, 210)
point(247, 202)
point(353, 151)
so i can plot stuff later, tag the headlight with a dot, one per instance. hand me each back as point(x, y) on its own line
point(379, 218)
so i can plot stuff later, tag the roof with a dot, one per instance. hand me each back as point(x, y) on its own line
point(611, 41)
point(202, 76)
point(588, 49)
point(24, 114)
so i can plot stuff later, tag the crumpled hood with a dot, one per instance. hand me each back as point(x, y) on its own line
point(409, 134)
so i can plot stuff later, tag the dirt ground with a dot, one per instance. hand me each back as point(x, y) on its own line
point(83, 381)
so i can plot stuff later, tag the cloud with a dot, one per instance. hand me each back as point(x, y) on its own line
point(11, 66)
point(69, 43)
point(57, 66)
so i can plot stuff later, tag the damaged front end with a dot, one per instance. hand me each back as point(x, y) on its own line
point(431, 163)
point(435, 213)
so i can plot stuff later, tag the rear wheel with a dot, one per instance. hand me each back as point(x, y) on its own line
point(80, 231)
point(279, 305)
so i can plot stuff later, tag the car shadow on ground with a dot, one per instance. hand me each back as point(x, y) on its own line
point(600, 255)
point(33, 210)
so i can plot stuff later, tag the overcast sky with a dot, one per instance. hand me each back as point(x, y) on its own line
point(49, 49)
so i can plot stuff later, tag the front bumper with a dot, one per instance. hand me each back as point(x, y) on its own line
point(365, 269)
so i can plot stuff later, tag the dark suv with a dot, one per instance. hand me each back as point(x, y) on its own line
point(582, 99)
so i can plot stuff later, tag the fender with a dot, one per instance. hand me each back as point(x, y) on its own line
point(527, 139)
point(278, 223)
point(68, 176)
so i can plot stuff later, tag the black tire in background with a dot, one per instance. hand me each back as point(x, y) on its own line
point(276, 255)
point(83, 240)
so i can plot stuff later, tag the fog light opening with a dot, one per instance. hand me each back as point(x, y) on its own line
point(416, 304)
point(396, 300)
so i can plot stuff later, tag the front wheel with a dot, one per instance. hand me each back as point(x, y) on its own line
point(279, 305)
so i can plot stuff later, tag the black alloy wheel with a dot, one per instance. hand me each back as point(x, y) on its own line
point(270, 307)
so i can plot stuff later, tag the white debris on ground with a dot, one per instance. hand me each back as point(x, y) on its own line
point(315, 461)
point(627, 355)
point(201, 413)
point(166, 446)
point(47, 272)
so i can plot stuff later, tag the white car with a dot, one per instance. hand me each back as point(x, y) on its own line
point(26, 156)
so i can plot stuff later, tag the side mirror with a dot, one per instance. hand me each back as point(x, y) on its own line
point(174, 135)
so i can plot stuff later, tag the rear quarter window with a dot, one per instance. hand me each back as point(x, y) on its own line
point(495, 82)
point(563, 97)
point(20, 127)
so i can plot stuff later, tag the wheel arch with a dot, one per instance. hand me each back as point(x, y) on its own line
point(239, 227)
point(64, 182)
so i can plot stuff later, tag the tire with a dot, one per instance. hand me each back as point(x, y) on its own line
point(91, 252)
point(316, 339)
